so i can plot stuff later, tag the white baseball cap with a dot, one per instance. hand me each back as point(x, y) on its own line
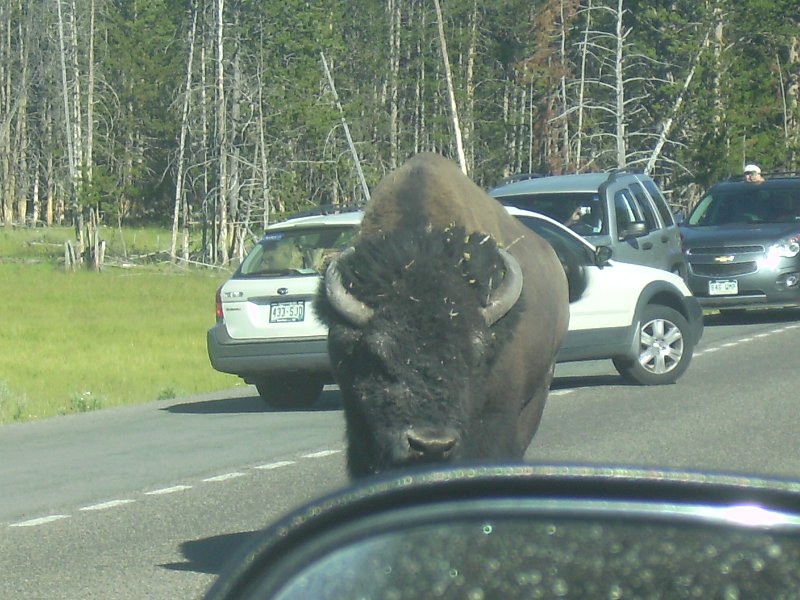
point(752, 169)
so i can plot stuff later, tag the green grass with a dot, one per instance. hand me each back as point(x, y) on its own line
point(47, 244)
point(74, 342)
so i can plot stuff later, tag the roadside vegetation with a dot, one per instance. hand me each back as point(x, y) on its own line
point(81, 341)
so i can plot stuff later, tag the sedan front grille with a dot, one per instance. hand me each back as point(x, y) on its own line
point(724, 270)
point(717, 250)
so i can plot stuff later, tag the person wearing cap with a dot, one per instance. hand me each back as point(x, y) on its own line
point(752, 174)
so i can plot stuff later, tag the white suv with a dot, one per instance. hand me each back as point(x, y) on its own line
point(644, 319)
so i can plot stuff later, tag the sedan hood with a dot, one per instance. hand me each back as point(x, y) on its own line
point(729, 235)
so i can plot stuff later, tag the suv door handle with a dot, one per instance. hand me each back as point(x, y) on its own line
point(647, 246)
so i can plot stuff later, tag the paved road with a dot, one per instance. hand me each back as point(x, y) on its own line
point(150, 501)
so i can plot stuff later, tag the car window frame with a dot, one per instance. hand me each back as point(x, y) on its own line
point(648, 211)
point(659, 201)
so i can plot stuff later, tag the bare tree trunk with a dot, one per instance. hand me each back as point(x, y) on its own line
point(582, 89)
point(394, 76)
point(73, 171)
point(90, 100)
point(234, 191)
point(77, 130)
point(565, 137)
point(462, 161)
point(676, 107)
point(469, 121)
point(182, 142)
point(5, 131)
point(718, 70)
point(209, 237)
point(222, 138)
point(353, 151)
point(262, 141)
point(619, 73)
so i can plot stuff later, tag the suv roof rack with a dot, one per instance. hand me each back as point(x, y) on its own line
point(613, 173)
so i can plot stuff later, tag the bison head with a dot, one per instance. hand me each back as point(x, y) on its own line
point(415, 323)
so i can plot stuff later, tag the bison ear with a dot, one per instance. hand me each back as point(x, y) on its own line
point(507, 293)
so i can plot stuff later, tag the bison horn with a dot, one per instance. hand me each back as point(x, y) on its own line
point(505, 296)
point(350, 307)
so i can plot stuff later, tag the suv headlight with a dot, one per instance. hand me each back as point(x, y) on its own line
point(788, 247)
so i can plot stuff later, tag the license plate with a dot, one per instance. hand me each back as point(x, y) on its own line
point(723, 287)
point(287, 312)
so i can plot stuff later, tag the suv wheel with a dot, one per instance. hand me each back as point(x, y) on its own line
point(665, 348)
point(290, 391)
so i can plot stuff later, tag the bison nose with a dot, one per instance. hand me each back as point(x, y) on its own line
point(430, 443)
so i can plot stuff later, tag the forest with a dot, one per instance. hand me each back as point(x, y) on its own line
point(218, 116)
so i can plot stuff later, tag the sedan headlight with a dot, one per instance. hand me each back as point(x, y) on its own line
point(788, 247)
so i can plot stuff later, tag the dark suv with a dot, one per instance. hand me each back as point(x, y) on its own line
point(622, 210)
point(742, 241)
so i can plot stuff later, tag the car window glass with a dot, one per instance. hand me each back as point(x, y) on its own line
point(301, 250)
point(747, 206)
point(625, 209)
point(559, 239)
point(561, 206)
point(659, 201)
point(645, 206)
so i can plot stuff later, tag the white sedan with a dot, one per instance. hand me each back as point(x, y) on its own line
point(267, 333)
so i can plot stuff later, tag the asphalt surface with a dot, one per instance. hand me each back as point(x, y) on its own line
point(151, 501)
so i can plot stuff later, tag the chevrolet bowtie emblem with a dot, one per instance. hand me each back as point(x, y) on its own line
point(724, 259)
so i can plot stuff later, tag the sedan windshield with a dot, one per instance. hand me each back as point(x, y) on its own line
point(755, 205)
point(304, 251)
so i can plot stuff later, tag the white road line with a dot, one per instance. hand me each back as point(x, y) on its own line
point(276, 465)
point(168, 490)
point(39, 521)
point(107, 505)
point(563, 392)
point(224, 477)
point(321, 453)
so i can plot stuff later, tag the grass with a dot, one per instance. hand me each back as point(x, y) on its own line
point(75, 342)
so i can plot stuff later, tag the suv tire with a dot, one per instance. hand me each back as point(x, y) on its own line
point(665, 348)
point(290, 391)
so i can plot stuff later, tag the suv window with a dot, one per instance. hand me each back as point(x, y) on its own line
point(645, 206)
point(561, 205)
point(626, 211)
point(659, 201)
point(305, 251)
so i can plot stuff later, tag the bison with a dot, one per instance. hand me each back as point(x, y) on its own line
point(445, 317)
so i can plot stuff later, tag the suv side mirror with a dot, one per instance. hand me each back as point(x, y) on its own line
point(602, 254)
point(634, 230)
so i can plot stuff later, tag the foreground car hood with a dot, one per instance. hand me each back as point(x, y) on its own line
point(728, 235)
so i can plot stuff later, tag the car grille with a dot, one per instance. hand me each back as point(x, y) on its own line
point(724, 270)
point(717, 250)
